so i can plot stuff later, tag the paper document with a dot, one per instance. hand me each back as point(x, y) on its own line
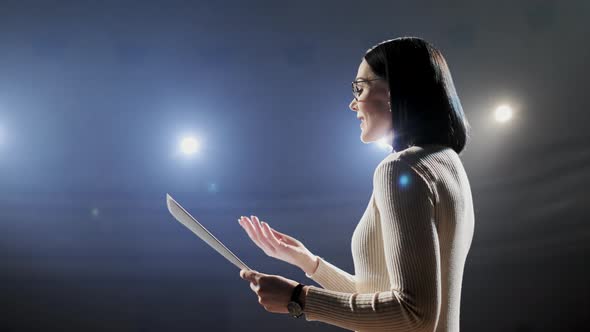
point(191, 223)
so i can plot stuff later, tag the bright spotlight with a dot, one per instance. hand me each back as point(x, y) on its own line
point(189, 145)
point(383, 143)
point(503, 113)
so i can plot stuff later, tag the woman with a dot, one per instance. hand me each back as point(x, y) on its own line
point(410, 246)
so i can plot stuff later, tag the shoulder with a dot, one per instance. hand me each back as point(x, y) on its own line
point(409, 160)
point(398, 174)
point(406, 170)
point(401, 189)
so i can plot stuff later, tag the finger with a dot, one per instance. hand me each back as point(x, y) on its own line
point(250, 223)
point(260, 234)
point(266, 237)
point(271, 236)
point(250, 275)
point(256, 224)
point(284, 237)
point(247, 227)
point(252, 232)
point(244, 274)
point(255, 288)
point(275, 233)
point(279, 234)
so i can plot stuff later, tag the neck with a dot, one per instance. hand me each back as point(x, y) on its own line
point(388, 138)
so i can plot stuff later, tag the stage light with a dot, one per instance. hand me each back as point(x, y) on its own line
point(94, 212)
point(383, 143)
point(189, 145)
point(503, 113)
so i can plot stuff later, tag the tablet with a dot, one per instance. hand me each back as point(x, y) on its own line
point(191, 223)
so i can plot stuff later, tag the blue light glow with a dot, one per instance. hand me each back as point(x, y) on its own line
point(404, 180)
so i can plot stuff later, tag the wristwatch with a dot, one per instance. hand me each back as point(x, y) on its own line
point(294, 306)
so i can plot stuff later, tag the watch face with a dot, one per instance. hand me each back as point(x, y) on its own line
point(294, 308)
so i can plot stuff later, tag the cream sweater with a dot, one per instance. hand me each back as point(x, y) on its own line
point(409, 249)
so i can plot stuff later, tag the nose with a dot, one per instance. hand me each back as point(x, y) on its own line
point(353, 105)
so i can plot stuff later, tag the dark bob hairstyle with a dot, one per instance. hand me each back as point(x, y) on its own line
point(425, 106)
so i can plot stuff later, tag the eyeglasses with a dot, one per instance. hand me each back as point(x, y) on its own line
point(356, 90)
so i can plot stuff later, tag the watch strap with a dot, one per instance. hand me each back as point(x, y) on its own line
point(296, 293)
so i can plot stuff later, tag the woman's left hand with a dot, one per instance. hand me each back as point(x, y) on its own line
point(274, 291)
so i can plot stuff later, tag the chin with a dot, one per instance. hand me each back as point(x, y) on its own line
point(366, 139)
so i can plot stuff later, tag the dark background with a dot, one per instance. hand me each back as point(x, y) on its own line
point(94, 96)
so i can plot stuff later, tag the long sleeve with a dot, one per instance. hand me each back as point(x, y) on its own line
point(405, 203)
point(331, 277)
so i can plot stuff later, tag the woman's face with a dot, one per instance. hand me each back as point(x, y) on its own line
point(373, 106)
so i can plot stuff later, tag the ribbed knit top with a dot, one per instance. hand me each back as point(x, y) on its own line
point(409, 249)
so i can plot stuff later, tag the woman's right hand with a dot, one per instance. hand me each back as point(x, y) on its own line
point(278, 245)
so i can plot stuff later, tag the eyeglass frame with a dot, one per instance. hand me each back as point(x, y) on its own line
point(360, 81)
